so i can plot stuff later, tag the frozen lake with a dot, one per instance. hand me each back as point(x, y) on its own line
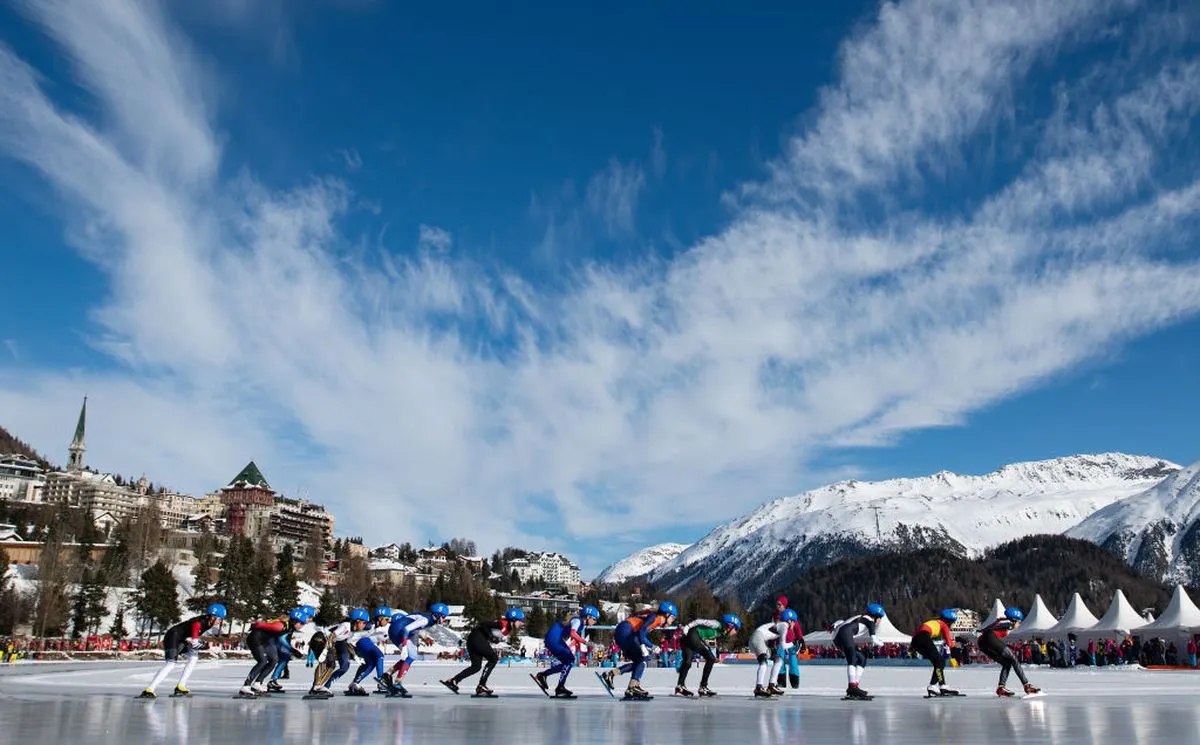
point(95, 703)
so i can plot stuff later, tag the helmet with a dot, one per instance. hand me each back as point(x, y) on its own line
point(668, 608)
point(949, 615)
point(383, 612)
point(298, 616)
point(440, 609)
point(514, 614)
point(875, 610)
point(216, 610)
point(1014, 614)
point(309, 611)
point(590, 611)
point(731, 620)
point(359, 614)
point(398, 614)
point(789, 615)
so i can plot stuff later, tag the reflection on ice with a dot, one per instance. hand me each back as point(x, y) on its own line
point(1140, 710)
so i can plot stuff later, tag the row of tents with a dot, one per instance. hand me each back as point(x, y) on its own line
point(1180, 619)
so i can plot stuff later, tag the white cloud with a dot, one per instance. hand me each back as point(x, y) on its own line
point(432, 238)
point(352, 160)
point(612, 196)
point(835, 310)
point(13, 348)
point(658, 155)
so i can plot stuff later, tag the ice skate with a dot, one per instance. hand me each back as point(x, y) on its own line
point(683, 691)
point(259, 689)
point(563, 692)
point(181, 692)
point(706, 692)
point(774, 690)
point(275, 687)
point(450, 684)
point(635, 690)
point(247, 692)
point(1003, 692)
point(148, 694)
point(760, 692)
point(540, 679)
point(854, 691)
point(482, 691)
point(356, 690)
point(607, 678)
point(1031, 689)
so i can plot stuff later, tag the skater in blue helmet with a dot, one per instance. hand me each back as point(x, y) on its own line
point(185, 639)
point(559, 639)
point(843, 638)
point(479, 648)
point(991, 643)
point(404, 632)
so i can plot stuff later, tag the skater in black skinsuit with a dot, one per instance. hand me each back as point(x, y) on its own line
point(183, 640)
point(263, 643)
point(991, 643)
point(924, 642)
point(694, 641)
point(843, 639)
point(479, 647)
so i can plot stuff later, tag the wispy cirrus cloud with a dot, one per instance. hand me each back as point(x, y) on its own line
point(835, 310)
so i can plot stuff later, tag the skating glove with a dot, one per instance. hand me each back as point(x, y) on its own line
point(297, 653)
point(647, 651)
point(194, 642)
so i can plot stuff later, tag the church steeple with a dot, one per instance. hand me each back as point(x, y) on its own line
point(75, 451)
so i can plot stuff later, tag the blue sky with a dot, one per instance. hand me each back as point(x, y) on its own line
point(585, 281)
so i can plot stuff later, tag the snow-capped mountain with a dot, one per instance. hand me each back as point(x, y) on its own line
point(641, 563)
point(1156, 531)
point(769, 547)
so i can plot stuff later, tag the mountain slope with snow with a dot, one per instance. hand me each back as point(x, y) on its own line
point(641, 563)
point(769, 547)
point(1157, 531)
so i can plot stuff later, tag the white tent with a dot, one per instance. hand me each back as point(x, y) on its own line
point(884, 630)
point(1037, 621)
point(1120, 619)
point(997, 612)
point(1181, 616)
point(1075, 620)
point(888, 633)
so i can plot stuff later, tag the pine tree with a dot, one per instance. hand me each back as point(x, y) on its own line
point(88, 605)
point(314, 556)
point(202, 587)
point(285, 592)
point(537, 623)
point(328, 613)
point(118, 625)
point(231, 582)
point(158, 598)
point(52, 604)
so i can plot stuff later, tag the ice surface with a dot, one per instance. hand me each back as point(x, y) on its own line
point(94, 703)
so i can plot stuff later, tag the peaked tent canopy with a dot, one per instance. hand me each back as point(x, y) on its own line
point(1037, 622)
point(885, 630)
point(1181, 615)
point(1120, 619)
point(1076, 619)
point(997, 612)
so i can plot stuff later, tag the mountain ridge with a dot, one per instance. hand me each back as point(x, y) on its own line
point(963, 514)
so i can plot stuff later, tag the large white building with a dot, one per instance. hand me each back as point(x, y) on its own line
point(21, 479)
point(549, 568)
point(101, 494)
